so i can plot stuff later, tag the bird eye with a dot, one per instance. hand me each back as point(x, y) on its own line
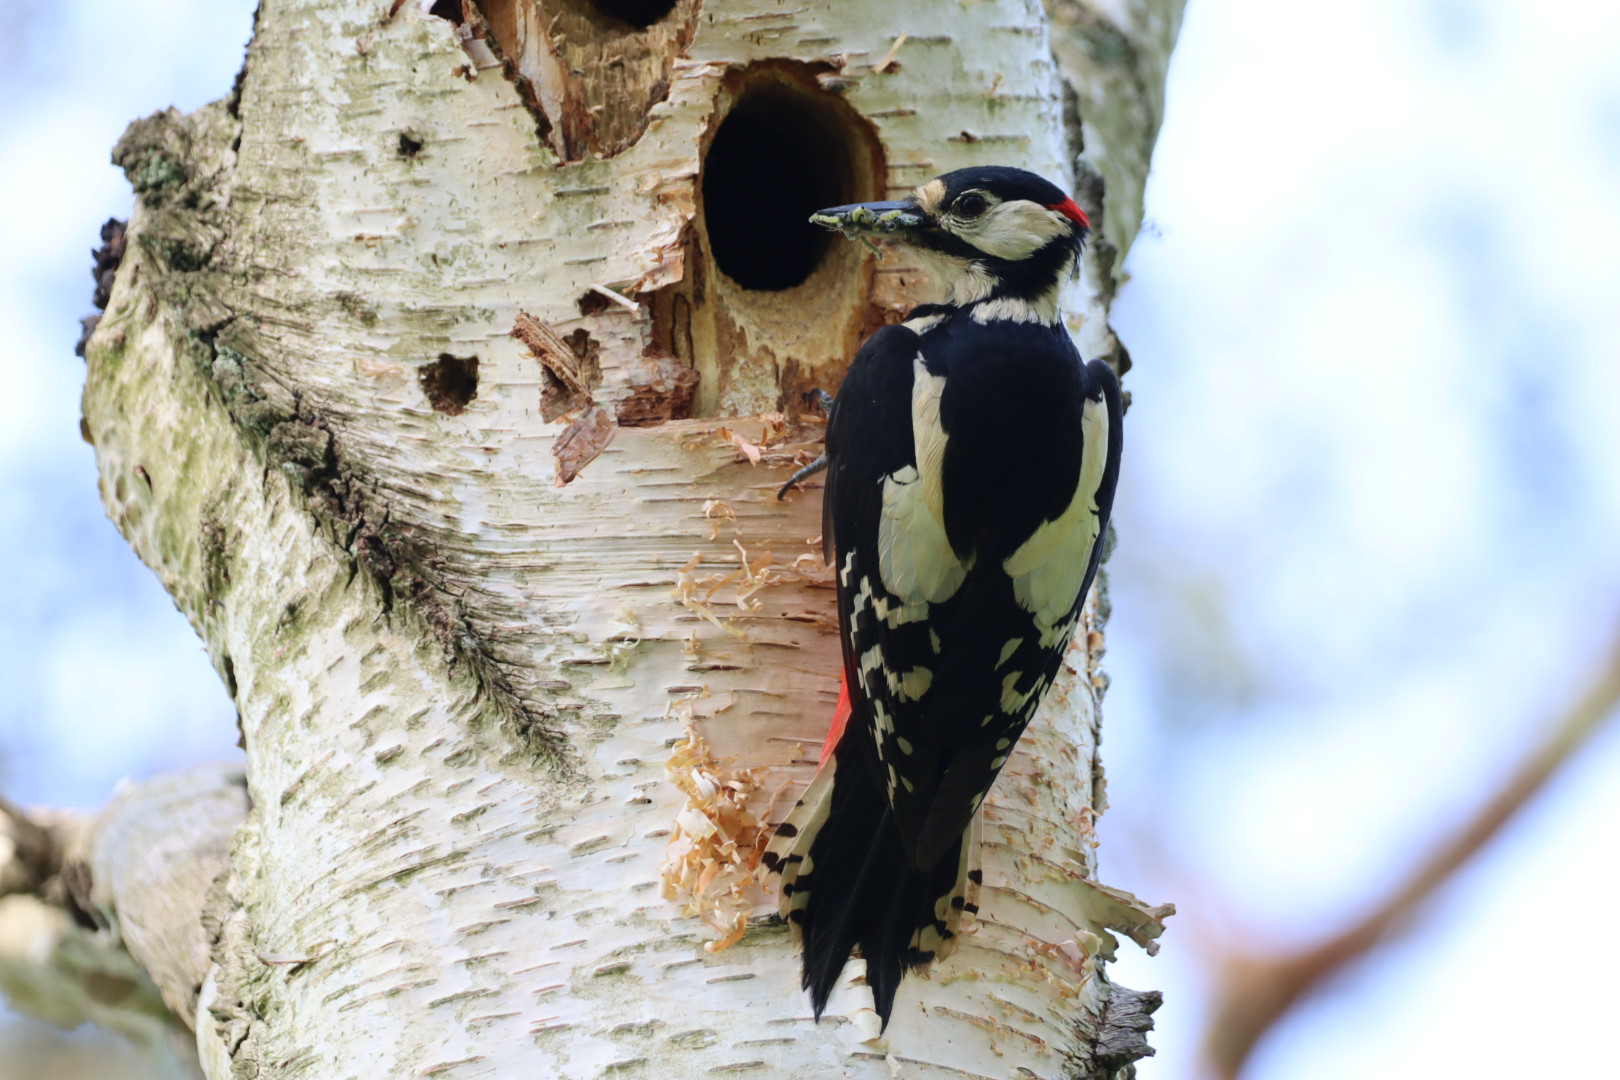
point(971, 205)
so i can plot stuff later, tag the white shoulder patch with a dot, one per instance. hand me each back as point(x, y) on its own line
point(1048, 568)
point(928, 434)
point(915, 558)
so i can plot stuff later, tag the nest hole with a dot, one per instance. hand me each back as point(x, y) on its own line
point(450, 383)
point(449, 10)
point(638, 14)
point(780, 154)
point(592, 303)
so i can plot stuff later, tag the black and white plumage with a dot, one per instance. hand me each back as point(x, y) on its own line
point(972, 459)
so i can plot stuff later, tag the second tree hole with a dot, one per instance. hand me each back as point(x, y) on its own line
point(639, 14)
point(450, 383)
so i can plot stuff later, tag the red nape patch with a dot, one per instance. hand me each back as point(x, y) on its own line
point(1072, 212)
point(840, 721)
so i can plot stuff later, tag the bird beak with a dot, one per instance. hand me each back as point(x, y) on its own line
point(863, 220)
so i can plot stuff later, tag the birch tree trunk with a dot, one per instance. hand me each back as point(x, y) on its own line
point(527, 655)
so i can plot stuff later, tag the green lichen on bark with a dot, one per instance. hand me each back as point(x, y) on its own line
point(1117, 70)
point(156, 154)
point(180, 167)
point(214, 541)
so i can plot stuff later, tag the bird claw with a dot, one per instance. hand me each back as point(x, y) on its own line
point(803, 474)
point(825, 400)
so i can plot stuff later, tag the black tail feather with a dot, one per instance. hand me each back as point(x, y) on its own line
point(864, 893)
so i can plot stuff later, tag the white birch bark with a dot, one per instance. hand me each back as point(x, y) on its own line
point(510, 743)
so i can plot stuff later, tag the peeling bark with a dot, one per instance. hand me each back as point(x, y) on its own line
point(460, 683)
point(591, 72)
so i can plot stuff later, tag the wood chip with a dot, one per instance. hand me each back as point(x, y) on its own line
point(661, 388)
point(577, 446)
point(888, 58)
point(567, 376)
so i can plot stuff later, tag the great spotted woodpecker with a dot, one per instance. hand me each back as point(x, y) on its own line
point(972, 461)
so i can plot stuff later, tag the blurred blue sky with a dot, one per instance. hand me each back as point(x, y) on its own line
point(103, 677)
point(100, 676)
point(1368, 531)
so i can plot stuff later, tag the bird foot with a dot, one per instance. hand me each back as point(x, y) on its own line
point(825, 400)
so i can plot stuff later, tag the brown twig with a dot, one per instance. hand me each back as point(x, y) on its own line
point(1256, 991)
point(29, 854)
point(888, 58)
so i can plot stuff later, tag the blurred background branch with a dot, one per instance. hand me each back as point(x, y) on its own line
point(1255, 991)
point(102, 915)
point(56, 963)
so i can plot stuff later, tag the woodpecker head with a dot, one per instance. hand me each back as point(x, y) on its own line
point(988, 233)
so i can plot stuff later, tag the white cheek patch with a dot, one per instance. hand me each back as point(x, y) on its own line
point(1014, 230)
point(1048, 568)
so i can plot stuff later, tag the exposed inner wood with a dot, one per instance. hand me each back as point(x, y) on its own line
point(595, 69)
point(771, 306)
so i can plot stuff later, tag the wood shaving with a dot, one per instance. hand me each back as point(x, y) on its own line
point(773, 426)
point(701, 593)
point(716, 843)
point(687, 591)
point(751, 451)
point(716, 511)
point(1076, 955)
point(753, 574)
